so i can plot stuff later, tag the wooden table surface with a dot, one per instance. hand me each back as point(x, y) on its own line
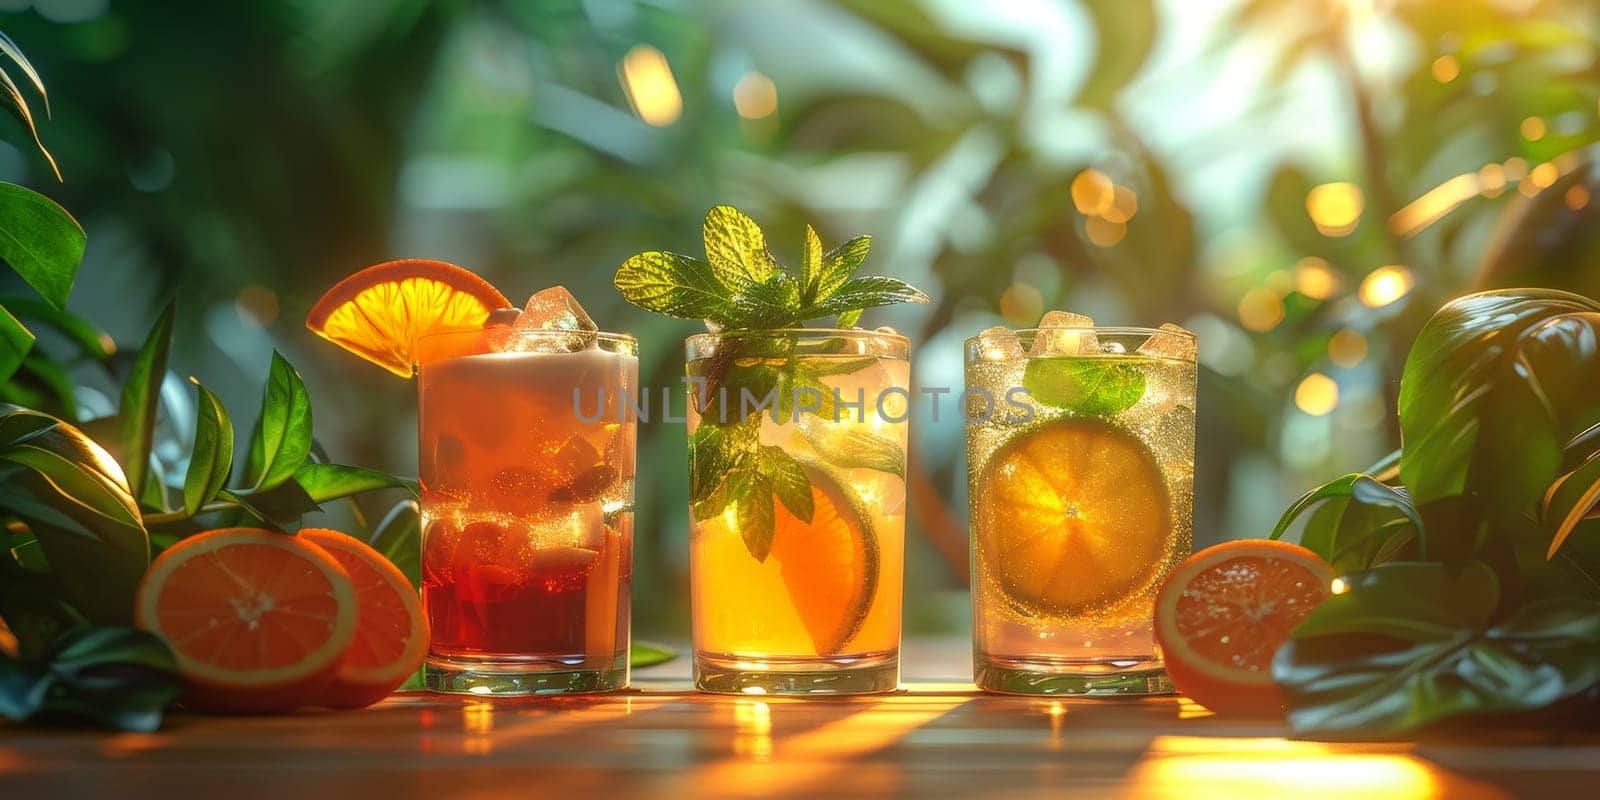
point(937, 738)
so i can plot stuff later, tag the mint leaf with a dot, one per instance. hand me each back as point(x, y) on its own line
point(869, 292)
point(751, 492)
point(1094, 386)
point(770, 303)
point(789, 481)
point(737, 249)
point(839, 264)
point(675, 285)
point(811, 267)
point(212, 459)
point(851, 449)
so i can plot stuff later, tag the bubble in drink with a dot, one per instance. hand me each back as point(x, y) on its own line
point(553, 309)
point(1051, 340)
point(1171, 341)
point(1000, 342)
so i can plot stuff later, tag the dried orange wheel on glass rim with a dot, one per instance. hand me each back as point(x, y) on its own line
point(258, 621)
point(380, 312)
point(1072, 516)
point(1222, 615)
point(391, 630)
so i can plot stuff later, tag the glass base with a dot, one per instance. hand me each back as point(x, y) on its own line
point(510, 679)
point(873, 673)
point(1061, 677)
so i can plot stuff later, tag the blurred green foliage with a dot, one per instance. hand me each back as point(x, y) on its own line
point(246, 155)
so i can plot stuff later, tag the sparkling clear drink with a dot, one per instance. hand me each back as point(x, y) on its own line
point(1081, 489)
point(813, 606)
point(527, 469)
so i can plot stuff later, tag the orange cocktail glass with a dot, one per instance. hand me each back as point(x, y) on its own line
point(527, 465)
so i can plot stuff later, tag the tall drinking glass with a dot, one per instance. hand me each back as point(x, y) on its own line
point(527, 466)
point(797, 488)
point(1080, 453)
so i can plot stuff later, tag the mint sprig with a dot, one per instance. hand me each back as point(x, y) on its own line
point(740, 287)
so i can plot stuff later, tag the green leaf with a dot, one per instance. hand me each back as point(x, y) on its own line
point(845, 448)
point(121, 678)
point(810, 267)
point(282, 437)
point(1570, 499)
point(1361, 520)
point(839, 264)
point(399, 538)
point(1409, 644)
point(141, 396)
point(649, 654)
point(849, 318)
point(771, 303)
point(867, 292)
point(41, 242)
point(675, 285)
point(1095, 386)
point(751, 493)
point(736, 249)
point(89, 337)
point(76, 501)
point(212, 460)
point(1463, 378)
point(276, 506)
point(324, 482)
point(15, 343)
point(22, 688)
point(788, 480)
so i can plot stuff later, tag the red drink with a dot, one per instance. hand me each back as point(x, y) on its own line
point(527, 466)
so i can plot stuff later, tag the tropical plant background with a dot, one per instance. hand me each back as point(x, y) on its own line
point(1302, 182)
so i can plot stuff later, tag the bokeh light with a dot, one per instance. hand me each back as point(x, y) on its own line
point(1261, 309)
point(1533, 129)
point(1385, 285)
point(647, 80)
point(1092, 192)
point(1347, 348)
point(1314, 278)
point(1445, 68)
point(1317, 394)
point(1021, 304)
point(755, 96)
point(1335, 208)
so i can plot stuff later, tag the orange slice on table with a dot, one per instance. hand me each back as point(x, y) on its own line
point(259, 621)
point(1222, 615)
point(391, 633)
point(380, 312)
point(829, 565)
point(1071, 517)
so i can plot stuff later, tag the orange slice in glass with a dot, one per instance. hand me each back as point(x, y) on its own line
point(380, 312)
point(1072, 517)
point(829, 566)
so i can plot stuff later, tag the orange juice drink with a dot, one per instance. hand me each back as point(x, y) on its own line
point(797, 544)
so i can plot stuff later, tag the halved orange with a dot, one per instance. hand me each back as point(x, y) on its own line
point(829, 565)
point(1223, 614)
point(259, 621)
point(1070, 517)
point(391, 634)
point(381, 311)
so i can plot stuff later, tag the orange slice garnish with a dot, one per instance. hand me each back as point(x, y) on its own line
point(380, 312)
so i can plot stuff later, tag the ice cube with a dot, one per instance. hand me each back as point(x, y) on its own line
point(1061, 334)
point(553, 309)
point(999, 343)
point(1171, 341)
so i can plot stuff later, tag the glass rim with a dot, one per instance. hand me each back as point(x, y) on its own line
point(1133, 330)
point(535, 333)
point(815, 333)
